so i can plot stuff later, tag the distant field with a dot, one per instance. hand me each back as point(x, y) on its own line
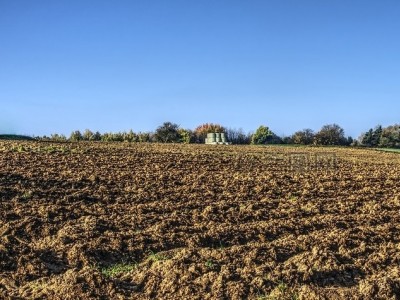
point(151, 221)
point(389, 150)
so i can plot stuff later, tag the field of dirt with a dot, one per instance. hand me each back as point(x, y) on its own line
point(148, 221)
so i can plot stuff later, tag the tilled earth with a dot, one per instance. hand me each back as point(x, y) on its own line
point(148, 221)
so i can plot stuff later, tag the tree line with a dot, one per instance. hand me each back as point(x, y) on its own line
point(168, 132)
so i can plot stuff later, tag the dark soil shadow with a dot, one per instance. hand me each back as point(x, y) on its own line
point(342, 278)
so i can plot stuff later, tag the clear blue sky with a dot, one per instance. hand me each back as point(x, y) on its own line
point(117, 65)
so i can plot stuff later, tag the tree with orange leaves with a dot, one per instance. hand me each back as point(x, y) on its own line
point(202, 130)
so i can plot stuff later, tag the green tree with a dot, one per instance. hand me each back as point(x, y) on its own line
point(75, 136)
point(87, 135)
point(390, 137)
point(97, 136)
point(275, 139)
point(372, 137)
point(118, 137)
point(106, 137)
point(303, 137)
point(130, 136)
point(167, 133)
point(376, 136)
point(186, 136)
point(262, 136)
point(144, 137)
point(331, 134)
point(287, 140)
point(366, 138)
point(58, 137)
point(350, 141)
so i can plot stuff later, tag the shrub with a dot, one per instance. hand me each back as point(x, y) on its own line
point(303, 137)
point(186, 136)
point(331, 134)
point(167, 133)
point(76, 136)
point(390, 137)
point(262, 136)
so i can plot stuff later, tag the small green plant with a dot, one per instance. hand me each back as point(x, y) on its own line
point(156, 257)
point(282, 287)
point(27, 195)
point(262, 297)
point(64, 150)
point(18, 149)
point(37, 286)
point(51, 149)
point(209, 264)
point(118, 269)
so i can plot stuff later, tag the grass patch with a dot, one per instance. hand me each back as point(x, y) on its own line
point(156, 257)
point(389, 150)
point(118, 269)
point(18, 148)
point(209, 264)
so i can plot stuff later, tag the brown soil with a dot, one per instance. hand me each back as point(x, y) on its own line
point(126, 221)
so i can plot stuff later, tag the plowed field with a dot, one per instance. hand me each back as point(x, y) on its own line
point(126, 221)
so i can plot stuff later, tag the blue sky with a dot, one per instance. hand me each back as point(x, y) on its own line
point(117, 65)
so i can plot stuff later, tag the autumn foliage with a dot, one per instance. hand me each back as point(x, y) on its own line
point(202, 130)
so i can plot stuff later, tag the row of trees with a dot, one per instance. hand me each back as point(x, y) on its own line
point(331, 134)
point(88, 135)
point(388, 137)
point(168, 132)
